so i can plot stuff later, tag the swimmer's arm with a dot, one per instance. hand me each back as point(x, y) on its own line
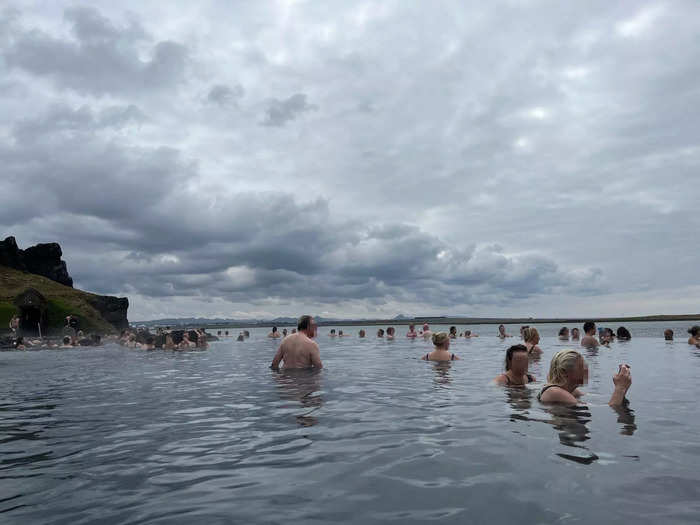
point(457, 358)
point(500, 380)
point(316, 358)
point(276, 360)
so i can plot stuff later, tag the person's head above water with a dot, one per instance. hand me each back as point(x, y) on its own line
point(575, 333)
point(412, 328)
point(426, 327)
point(453, 329)
point(517, 359)
point(501, 329)
point(362, 333)
point(694, 330)
point(589, 328)
point(274, 329)
point(567, 368)
point(668, 334)
point(531, 335)
point(390, 331)
point(441, 340)
point(563, 332)
point(623, 334)
point(333, 330)
point(307, 326)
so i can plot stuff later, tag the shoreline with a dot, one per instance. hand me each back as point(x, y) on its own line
point(450, 320)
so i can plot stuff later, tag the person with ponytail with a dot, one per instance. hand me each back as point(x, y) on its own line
point(531, 337)
point(441, 342)
point(516, 368)
point(568, 371)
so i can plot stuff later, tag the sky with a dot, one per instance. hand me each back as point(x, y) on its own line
point(358, 159)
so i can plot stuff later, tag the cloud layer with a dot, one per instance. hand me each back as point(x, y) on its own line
point(357, 159)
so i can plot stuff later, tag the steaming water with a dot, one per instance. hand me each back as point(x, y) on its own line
point(115, 435)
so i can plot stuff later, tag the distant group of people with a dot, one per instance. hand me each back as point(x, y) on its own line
point(164, 339)
point(567, 371)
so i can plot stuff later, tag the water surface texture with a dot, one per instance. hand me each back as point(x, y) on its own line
point(116, 435)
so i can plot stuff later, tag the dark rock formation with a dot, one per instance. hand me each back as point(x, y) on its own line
point(112, 309)
point(42, 259)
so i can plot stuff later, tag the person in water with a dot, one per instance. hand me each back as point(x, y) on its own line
point(427, 334)
point(502, 332)
point(380, 333)
point(453, 332)
point(299, 350)
point(149, 344)
point(522, 329)
point(186, 343)
point(332, 333)
point(390, 332)
point(241, 337)
point(468, 334)
point(362, 334)
point(568, 371)
point(589, 340)
point(564, 334)
point(623, 334)
point(532, 337)
point(169, 344)
point(575, 334)
point(668, 334)
point(284, 332)
point(441, 342)
point(694, 338)
point(274, 334)
point(411, 334)
point(516, 368)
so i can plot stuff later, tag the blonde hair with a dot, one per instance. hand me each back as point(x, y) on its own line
point(562, 362)
point(529, 334)
point(440, 339)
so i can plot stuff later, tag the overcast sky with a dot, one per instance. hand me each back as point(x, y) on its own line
point(255, 159)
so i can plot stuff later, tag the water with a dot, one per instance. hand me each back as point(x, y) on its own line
point(116, 435)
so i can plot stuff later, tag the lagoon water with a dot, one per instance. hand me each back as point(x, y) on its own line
point(116, 435)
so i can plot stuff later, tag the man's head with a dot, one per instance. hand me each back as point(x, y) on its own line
point(589, 328)
point(306, 325)
point(426, 327)
point(668, 334)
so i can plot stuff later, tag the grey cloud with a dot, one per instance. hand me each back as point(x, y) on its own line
point(224, 95)
point(279, 112)
point(102, 58)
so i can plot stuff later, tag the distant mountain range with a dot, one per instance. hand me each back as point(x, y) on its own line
point(193, 321)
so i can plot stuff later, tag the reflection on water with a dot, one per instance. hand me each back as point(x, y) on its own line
point(302, 386)
point(442, 372)
point(625, 416)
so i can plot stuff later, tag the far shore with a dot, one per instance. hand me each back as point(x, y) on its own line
point(457, 321)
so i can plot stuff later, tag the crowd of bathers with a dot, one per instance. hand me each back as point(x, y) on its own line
point(567, 372)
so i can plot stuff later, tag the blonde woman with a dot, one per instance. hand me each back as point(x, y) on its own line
point(441, 342)
point(568, 371)
point(531, 337)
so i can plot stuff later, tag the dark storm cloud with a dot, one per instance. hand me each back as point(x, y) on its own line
point(279, 112)
point(101, 58)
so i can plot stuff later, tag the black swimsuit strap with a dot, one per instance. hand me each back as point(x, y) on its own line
point(452, 358)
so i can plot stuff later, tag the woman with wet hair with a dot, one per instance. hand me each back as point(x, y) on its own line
point(516, 368)
point(390, 332)
point(531, 337)
point(623, 334)
point(694, 338)
point(453, 332)
point(380, 333)
point(575, 334)
point(564, 334)
point(441, 342)
point(568, 371)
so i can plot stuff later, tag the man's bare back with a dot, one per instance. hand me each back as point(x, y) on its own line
point(298, 351)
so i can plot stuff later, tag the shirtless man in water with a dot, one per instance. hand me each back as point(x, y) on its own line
point(298, 350)
point(427, 334)
point(589, 340)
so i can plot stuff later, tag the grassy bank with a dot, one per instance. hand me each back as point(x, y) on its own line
point(62, 301)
